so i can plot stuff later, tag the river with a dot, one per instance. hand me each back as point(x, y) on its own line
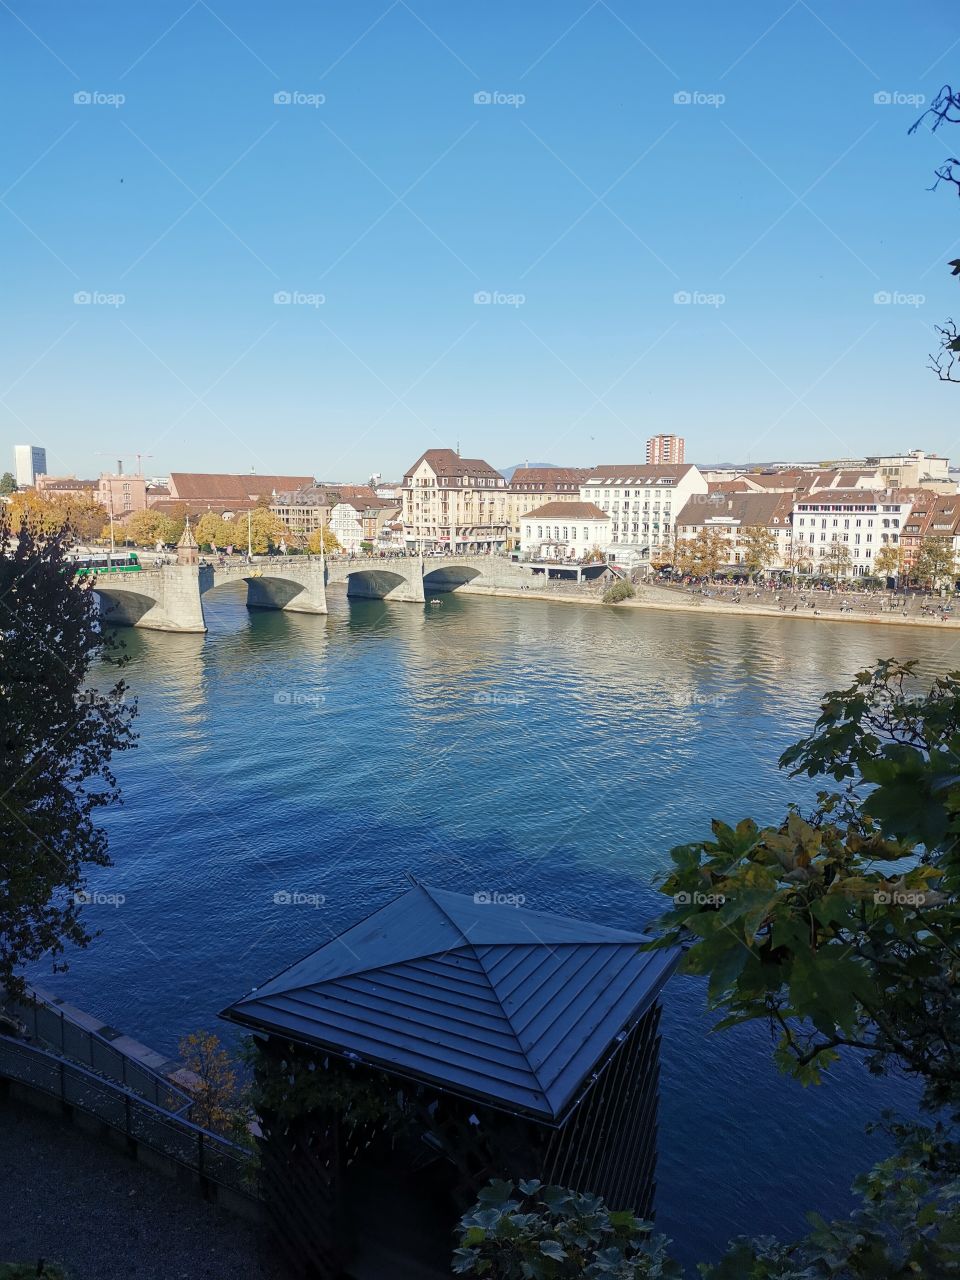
point(547, 750)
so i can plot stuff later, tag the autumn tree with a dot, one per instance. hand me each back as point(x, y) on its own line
point(758, 547)
point(323, 539)
point(262, 526)
point(705, 553)
point(57, 737)
point(665, 553)
point(26, 507)
point(85, 517)
point(936, 563)
point(888, 562)
point(799, 557)
point(683, 555)
point(218, 1100)
point(148, 527)
point(836, 558)
point(212, 530)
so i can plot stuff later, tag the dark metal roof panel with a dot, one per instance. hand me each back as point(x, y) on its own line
point(513, 1007)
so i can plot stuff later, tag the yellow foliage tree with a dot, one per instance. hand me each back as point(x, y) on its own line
point(148, 527)
point(703, 554)
point(264, 528)
point(28, 508)
point(213, 529)
point(888, 562)
point(217, 1102)
point(758, 547)
point(324, 539)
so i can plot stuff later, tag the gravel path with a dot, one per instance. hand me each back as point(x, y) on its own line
point(75, 1201)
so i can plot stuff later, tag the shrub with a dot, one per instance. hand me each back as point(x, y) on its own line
point(549, 1232)
point(621, 590)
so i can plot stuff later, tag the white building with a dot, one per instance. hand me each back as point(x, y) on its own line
point(642, 503)
point(29, 461)
point(564, 531)
point(914, 469)
point(860, 520)
point(346, 525)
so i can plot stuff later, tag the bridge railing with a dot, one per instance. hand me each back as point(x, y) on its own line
point(186, 1144)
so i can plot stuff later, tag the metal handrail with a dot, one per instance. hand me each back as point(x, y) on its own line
point(102, 1056)
point(187, 1144)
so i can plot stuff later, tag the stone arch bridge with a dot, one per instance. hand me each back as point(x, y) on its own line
point(170, 598)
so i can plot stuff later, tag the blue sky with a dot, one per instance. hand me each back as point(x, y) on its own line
point(581, 200)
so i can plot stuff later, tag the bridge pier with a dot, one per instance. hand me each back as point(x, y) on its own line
point(158, 600)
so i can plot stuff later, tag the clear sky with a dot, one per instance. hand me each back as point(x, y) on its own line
point(582, 199)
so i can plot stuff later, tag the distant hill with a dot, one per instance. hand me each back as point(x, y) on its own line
point(507, 472)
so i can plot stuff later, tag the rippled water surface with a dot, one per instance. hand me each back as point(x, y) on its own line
point(550, 750)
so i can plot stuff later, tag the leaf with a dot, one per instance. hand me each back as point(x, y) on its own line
point(496, 1192)
point(553, 1249)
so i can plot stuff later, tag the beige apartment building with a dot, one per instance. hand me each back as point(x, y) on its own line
point(533, 486)
point(455, 504)
point(305, 510)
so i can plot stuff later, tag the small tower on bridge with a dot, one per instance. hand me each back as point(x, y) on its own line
point(187, 550)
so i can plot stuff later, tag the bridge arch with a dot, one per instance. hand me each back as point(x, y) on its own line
point(264, 591)
point(383, 584)
point(449, 576)
point(123, 606)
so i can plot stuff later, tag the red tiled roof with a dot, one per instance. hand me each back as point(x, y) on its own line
point(738, 485)
point(545, 479)
point(568, 510)
point(768, 510)
point(447, 463)
point(220, 486)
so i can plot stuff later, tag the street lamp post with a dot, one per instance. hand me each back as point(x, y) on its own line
point(249, 536)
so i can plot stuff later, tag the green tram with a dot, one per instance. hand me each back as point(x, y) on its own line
point(119, 562)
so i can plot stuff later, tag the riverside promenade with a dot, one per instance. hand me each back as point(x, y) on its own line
point(811, 606)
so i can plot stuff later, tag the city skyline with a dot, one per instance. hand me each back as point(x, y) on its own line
point(588, 230)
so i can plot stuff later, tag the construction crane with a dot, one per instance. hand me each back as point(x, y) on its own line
point(122, 456)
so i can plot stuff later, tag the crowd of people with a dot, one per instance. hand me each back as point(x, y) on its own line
point(844, 597)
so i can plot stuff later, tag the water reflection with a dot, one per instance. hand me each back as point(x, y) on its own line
point(550, 750)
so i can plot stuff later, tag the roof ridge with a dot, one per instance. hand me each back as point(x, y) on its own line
point(534, 1071)
point(493, 990)
point(444, 912)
